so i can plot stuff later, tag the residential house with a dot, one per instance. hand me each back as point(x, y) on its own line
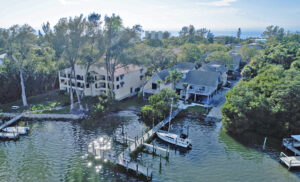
point(236, 61)
point(201, 86)
point(128, 80)
point(158, 81)
point(219, 67)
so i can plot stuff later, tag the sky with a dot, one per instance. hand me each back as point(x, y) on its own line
point(163, 15)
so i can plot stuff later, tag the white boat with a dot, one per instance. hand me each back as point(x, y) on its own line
point(172, 138)
point(20, 130)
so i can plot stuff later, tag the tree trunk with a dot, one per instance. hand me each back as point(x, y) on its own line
point(85, 78)
point(71, 90)
point(24, 99)
point(77, 92)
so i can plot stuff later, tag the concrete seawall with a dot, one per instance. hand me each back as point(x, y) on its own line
point(30, 116)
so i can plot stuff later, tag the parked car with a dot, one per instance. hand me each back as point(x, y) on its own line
point(15, 107)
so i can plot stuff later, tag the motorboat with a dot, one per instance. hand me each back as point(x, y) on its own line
point(175, 139)
point(18, 129)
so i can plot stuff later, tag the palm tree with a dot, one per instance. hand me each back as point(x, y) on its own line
point(185, 85)
point(174, 77)
point(159, 82)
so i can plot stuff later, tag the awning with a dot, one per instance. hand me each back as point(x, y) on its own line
point(296, 137)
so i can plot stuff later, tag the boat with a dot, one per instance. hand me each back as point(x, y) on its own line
point(20, 130)
point(178, 140)
point(174, 139)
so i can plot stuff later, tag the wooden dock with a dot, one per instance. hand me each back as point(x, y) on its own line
point(10, 136)
point(123, 159)
point(292, 161)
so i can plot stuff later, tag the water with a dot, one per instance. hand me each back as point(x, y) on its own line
point(54, 151)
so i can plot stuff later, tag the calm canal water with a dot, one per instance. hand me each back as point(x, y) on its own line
point(53, 151)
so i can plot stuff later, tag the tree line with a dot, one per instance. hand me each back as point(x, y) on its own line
point(33, 59)
point(267, 100)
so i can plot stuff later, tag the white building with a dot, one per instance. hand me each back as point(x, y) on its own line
point(128, 80)
point(2, 56)
point(154, 35)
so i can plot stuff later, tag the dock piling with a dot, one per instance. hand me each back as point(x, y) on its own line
point(264, 145)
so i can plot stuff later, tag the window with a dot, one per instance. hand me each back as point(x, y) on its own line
point(141, 77)
point(137, 90)
point(96, 86)
point(117, 79)
point(154, 86)
point(191, 87)
point(95, 77)
point(122, 76)
point(131, 90)
point(118, 86)
point(122, 83)
point(102, 77)
point(141, 70)
point(87, 85)
point(102, 85)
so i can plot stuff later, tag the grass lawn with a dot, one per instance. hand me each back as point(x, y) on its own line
point(44, 101)
point(198, 110)
point(54, 99)
point(131, 102)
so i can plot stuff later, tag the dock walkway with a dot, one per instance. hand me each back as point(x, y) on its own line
point(123, 159)
point(16, 118)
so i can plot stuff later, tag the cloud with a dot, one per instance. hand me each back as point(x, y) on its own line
point(64, 2)
point(218, 3)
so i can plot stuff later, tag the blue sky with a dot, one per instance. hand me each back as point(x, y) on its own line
point(160, 14)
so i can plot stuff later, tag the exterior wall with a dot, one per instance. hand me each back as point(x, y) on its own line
point(132, 84)
point(131, 79)
point(154, 79)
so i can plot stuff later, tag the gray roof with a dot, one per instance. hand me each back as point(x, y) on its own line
point(216, 66)
point(184, 66)
point(203, 78)
point(163, 74)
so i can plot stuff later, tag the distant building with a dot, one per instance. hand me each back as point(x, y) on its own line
point(2, 56)
point(236, 61)
point(128, 80)
point(154, 35)
point(256, 46)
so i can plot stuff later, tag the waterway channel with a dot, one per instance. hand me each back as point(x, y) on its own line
point(54, 150)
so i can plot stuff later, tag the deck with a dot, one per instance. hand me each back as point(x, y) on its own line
point(292, 161)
